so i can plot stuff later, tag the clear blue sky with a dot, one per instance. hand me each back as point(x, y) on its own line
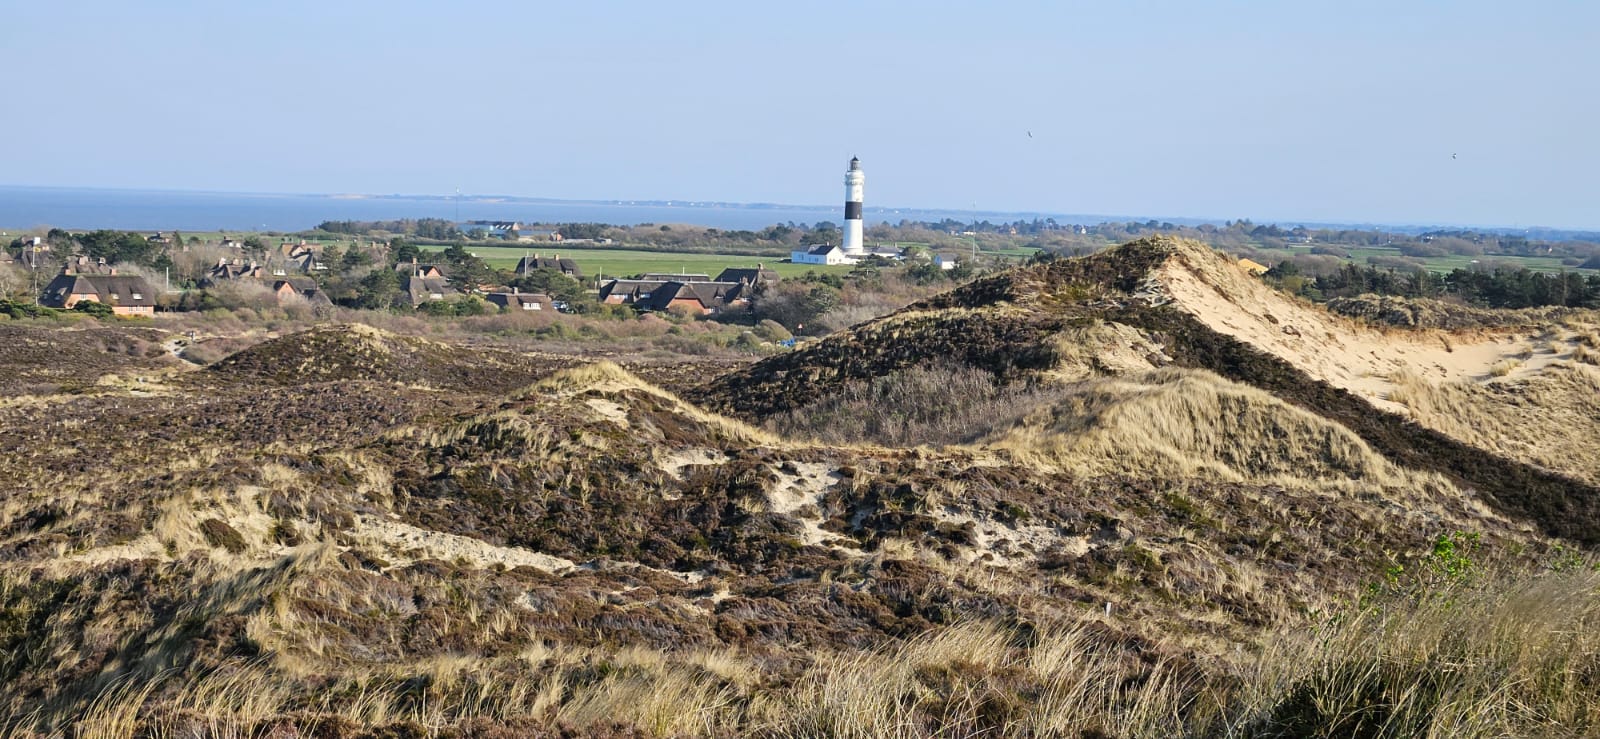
point(1324, 111)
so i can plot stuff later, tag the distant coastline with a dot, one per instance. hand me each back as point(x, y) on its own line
point(26, 207)
point(23, 207)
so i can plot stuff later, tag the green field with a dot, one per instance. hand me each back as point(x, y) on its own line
point(606, 263)
point(1447, 263)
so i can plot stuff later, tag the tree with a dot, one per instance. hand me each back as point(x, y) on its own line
point(333, 256)
point(558, 286)
point(354, 258)
point(382, 289)
point(794, 304)
point(401, 250)
point(467, 271)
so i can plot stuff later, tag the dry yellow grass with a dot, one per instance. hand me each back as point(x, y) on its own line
point(1502, 655)
point(608, 378)
point(1186, 423)
point(1551, 419)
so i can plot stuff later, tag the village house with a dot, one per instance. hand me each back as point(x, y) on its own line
point(555, 262)
point(542, 235)
point(302, 256)
point(33, 260)
point(233, 269)
point(750, 276)
point(944, 261)
point(128, 295)
point(627, 292)
point(820, 254)
point(414, 269)
point(496, 229)
point(515, 301)
point(303, 287)
point(83, 265)
point(703, 297)
point(427, 289)
point(30, 252)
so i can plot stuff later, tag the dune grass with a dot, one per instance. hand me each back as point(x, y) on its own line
point(1451, 652)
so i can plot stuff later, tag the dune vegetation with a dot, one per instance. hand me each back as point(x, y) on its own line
point(1130, 494)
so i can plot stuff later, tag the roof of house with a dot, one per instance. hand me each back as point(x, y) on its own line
point(305, 287)
point(675, 277)
point(32, 259)
point(119, 290)
point(821, 249)
point(84, 265)
point(422, 289)
point(300, 284)
point(750, 275)
point(560, 264)
point(710, 295)
point(630, 289)
point(517, 298)
point(426, 270)
point(235, 269)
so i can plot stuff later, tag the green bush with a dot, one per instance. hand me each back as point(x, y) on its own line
point(26, 310)
point(94, 309)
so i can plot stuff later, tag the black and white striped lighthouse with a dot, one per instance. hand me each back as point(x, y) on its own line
point(854, 182)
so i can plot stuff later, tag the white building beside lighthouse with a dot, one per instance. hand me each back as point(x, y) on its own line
point(855, 182)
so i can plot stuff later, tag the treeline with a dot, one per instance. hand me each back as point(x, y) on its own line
point(422, 228)
point(114, 247)
point(1499, 288)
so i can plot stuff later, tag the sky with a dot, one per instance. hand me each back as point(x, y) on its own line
point(1459, 113)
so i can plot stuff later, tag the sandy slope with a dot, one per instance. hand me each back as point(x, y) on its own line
point(1333, 348)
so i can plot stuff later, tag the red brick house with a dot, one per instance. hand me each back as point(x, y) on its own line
point(128, 295)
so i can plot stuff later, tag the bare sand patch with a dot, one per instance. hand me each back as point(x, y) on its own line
point(799, 494)
point(1338, 350)
point(408, 543)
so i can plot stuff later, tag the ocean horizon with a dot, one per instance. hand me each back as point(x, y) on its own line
point(25, 207)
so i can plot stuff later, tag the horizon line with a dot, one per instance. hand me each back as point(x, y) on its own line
point(689, 203)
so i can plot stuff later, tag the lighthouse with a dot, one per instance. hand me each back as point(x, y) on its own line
point(854, 182)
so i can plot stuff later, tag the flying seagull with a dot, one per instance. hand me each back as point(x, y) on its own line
point(1452, 156)
point(1030, 134)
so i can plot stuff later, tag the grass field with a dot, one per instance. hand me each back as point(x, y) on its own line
point(1359, 255)
point(622, 262)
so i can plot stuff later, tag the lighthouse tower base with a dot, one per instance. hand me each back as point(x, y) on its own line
point(854, 246)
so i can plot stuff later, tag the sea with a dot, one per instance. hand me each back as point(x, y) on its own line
point(167, 210)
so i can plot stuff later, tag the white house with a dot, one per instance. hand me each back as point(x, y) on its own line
point(820, 254)
point(944, 261)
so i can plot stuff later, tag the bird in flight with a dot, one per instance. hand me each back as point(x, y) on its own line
point(1452, 156)
point(1030, 134)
